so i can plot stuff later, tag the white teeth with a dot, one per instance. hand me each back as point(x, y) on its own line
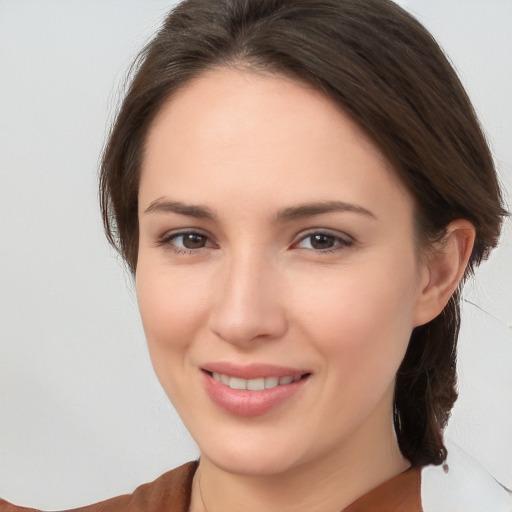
point(254, 384)
point(236, 383)
point(271, 382)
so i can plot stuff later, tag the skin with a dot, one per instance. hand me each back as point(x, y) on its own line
point(247, 146)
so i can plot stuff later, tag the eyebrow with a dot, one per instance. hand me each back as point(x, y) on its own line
point(319, 208)
point(287, 214)
point(196, 211)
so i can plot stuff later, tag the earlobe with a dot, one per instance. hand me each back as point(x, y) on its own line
point(444, 269)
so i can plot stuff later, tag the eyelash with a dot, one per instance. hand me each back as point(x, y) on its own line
point(166, 241)
point(341, 242)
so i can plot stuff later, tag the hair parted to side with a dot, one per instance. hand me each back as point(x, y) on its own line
point(387, 72)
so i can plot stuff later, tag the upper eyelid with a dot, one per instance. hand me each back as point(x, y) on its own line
point(322, 231)
point(166, 240)
point(184, 231)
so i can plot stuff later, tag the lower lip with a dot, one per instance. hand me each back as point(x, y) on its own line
point(242, 402)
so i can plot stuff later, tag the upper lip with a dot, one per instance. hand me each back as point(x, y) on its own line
point(251, 371)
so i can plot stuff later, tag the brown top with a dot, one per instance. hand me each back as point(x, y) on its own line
point(171, 493)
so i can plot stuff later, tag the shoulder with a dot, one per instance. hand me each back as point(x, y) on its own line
point(171, 491)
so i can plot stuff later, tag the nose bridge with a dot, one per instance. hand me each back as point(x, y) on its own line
point(247, 303)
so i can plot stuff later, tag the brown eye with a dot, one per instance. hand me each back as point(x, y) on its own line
point(193, 240)
point(324, 242)
point(321, 241)
point(185, 242)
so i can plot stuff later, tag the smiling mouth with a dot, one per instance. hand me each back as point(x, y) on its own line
point(257, 384)
point(264, 389)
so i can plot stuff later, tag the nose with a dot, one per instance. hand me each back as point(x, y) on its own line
point(247, 305)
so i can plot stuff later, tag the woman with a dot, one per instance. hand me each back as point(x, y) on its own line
point(277, 181)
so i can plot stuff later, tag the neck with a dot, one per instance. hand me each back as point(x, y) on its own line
point(326, 484)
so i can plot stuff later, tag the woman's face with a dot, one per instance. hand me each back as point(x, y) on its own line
point(276, 254)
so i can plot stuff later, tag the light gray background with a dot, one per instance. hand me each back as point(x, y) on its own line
point(82, 417)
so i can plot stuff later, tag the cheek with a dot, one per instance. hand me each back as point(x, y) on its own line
point(361, 319)
point(172, 311)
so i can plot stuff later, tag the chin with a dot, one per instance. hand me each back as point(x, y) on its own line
point(261, 466)
point(244, 459)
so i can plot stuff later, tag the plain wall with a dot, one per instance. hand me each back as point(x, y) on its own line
point(82, 416)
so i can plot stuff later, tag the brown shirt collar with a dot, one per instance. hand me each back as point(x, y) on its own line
point(171, 492)
point(401, 493)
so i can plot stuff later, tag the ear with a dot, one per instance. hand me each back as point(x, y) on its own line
point(443, 270)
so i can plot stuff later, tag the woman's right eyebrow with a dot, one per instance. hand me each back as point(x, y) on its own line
point(190, 210)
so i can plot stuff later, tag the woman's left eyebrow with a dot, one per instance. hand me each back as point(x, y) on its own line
point(318, 208)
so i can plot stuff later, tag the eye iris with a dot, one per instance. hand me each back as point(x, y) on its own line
point(194, 241)
point(322, 241)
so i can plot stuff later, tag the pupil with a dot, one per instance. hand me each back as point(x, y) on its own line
point(322, 241)
point(193, 241)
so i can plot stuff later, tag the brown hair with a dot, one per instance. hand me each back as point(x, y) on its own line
point(388, 73)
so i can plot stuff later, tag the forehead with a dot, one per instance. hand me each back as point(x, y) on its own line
point(213, 105)
point(255, 135)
